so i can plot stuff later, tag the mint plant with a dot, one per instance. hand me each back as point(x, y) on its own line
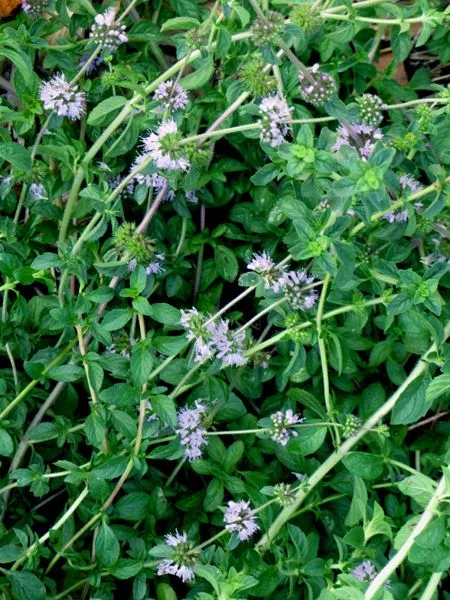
point(224, 327)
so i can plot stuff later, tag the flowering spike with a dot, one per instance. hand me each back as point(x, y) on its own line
point(171, 96)
point(281, 421)
point(60, 95)
point(275, 115)
point(105, 32)
point(318, 88)
point(239, 518)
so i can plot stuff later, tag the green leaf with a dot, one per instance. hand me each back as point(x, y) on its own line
point(367, 466)
point(170, 345)
point(133, 507)
point(420, 487)
point(440, 385)
point(165, 592)
point(141, 364)
point(104, 108)
point(101, 295)
point(265, 175)
point(214, 495)
point(226, 263)
point(401, 43)
point(233, 455)
point(95, 430)
point(309, 440)
point(26, 586)
point(6, 443)
point(10, 553)
point(412, 404)
point(17, 155)
point(199, 77)
point(116, 319)
point(20, 60)
point(358, 506)
point(66, 373)
point(165, 408)
point(107, 548)
point(377, 524)
point(180, 23)
point(46, 261)
point(165, 313)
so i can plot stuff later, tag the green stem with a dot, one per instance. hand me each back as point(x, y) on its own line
point(434, 187)
point(323, 357)
point(347, 17)
point(432, 585)
point(55, 527)
point(402, 553)
point(279, 336)
point(344, 449)
point(5, 412)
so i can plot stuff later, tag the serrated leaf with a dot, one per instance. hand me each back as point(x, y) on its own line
point(104, 108)
point(180, 23)
point(440, 385)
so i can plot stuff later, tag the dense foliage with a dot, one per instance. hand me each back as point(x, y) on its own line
point(224, 252)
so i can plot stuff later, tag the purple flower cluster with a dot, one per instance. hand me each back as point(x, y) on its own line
point(34, 8)
point(182, 561)
point(272, 275)
point(104, 31)
point(171, 96)
point(240, 519)
point(60, 95)
point(160, 147)
point(359, 136)
point(213, 340)
point(317, 87)
point(366, 571)
point(191, 431)
point(155, 266)
point(291, 283)
point(410, 186)
point(282, 432)
point(294, 284)
point(275, 116)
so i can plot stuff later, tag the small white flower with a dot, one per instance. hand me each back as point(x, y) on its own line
point(365, 571)
point(360, 136)
point(164, 157)
point(282, 433)
point(34, 8)
point(229, 345)
point(155, 266)
point(37, 190)
point(408, 182)
point(273, 276)
point(293, 286)
point(239, 518)
point(61, 96)
point(183, 560)
point(191, 431)
point(275, 115)
point(171, 96)
point(105, 32)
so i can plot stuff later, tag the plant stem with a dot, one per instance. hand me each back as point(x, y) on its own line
point(402, 553)
point(432, 585)
point(337, 311)
point(434, 187)
point(343, 450)
point(5, 412)
point(55, 527)
point(323, 358)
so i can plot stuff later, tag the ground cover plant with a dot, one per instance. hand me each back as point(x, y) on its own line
point(224, 250)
